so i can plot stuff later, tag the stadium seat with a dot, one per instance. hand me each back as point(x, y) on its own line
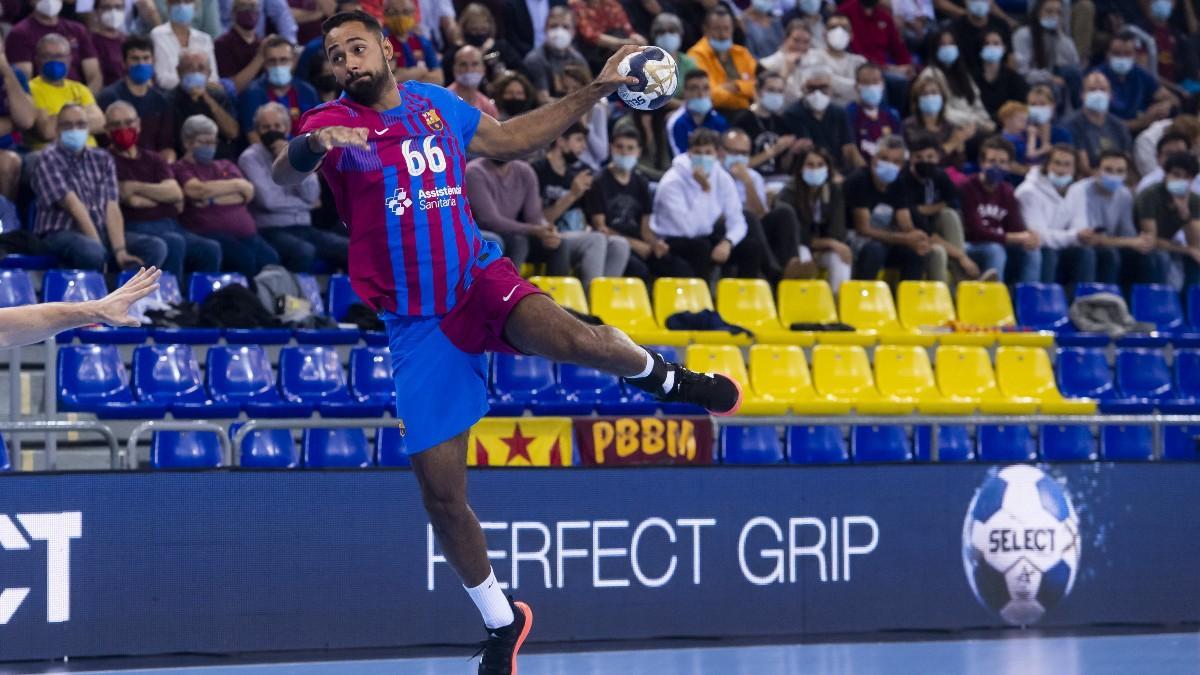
point(748, 303)
point(988, 304)
point(185, 450)
point(926, 306)
point(1005, 443)
point(672, 296)
point(1082, 290)
point(266, 448)
point(1157, 304)
point(887, 443)
point(1044, 307)
point(903, 372)
point(170, 374)
point(242, 375)
point(93, 379)
point(811, 302)
point(371, 376)
point(203, 285)
point(1193, 307)
point(1025, 372)
point(341, 297)
point(520, 382)
point(168, 293)
point(81, 286)
point(1083, 372)
point(954, 443)
point(581, 390)
point(623, 302)
point(566, 291)
point(5, 460)
point(780, 373)
point(1127, 443)
point(16, 288)
point(965, 374)
point(727, 360)
point(1187, 373)
point(1143, 374)
point(842, 372)
point(312, 374)
point(751, 445)
point(816, 445)
point(1067, 443)
point(1181, 443)
point(389, 447)
point(336, 449)
point(321, 336)
point(868, 306)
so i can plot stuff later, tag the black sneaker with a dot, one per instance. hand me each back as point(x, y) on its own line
point(716, 393)
point(500, 649)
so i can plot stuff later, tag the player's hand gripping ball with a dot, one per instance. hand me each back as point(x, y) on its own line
point(657, 77)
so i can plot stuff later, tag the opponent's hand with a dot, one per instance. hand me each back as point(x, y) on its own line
point(608, 80)
point(341, 137)
point(113, 309)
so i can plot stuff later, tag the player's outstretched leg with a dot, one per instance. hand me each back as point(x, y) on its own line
point(441, 472)
point(537, 325)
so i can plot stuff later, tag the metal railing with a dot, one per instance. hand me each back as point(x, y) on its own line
point(311, 423)
point(131, 458)
point(51, 428)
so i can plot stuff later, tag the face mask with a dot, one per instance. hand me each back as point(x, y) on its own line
point(193, 81)
point(141, 73)
point(1111, 183)
point(704, 163)
point(559, 37)
point(53, 71)
point(569, 157)
point(720, 46)
point(49, 7)
point(400, 25)
point(764, 6)
point(872, 94)
point(1060, 180)
point(513, 107)
point(992, 53)
point(1121, 65)
point(1161, 9)
point(868, 4)
point(73, 139)
point(669, 42)
point(1040, 114)
point(993, 175)
point(732, 160)
point(816, 177)
point(947, 54)
point(325, 82)
point(182, 13)
point(625, 162)
point(1049, 22)
point(279, 76)
point(810, 7)
point(838, 38)
point(124, 138)
point(699, 106)
point(1096, 101)
point(1178, 187)
point(204, 153)
point(469, 80)
point(817, 100)
point(886, 172)
point(930, 104)
point(113, 18)
point(978, 8)
point(247, 19)
point(924, 170)
point(772, 101)
point(476, 39)
point(271, 138)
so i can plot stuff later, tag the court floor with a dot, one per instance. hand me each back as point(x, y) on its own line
point(1157, 654)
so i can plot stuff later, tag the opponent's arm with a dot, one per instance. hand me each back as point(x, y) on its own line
point(535, 130)
point(34, 323)
point(306, 151)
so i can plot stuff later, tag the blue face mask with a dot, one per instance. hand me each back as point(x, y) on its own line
point(1040, 114)
point(182, 13)
point(1161, 9)
point(732, 160)
point(625, 162)
point(978, 8)
point(193, 81)
point(720, 46)
point(947, 54)
point(53, 71)
point(1121, 65)
point(670, 42)
point(1111, 183)
point(816, 177)
point(992, 53)
point(705, 163)
point(993, 175)
point(872, 94)
point(1049, 22)
point(700, 106)
point(930, 104)
point(1060, 181)
point(810, 7)
point(204, 153)
point(73, 139)
point(886, 172)
point(279, 76)
point(141, 73)
point(772, 101)
point(1096, 101)
point(1178, 187)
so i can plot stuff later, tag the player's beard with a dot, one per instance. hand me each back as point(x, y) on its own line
point(368, 89)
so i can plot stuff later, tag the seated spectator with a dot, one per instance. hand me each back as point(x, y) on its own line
point(870, 119)
point(916, 21)
point(1168, 210)
point(172, 38)
point(308, 16)
point(594, 121)
point(1066, 257)
point(883, 233)
point(1172, 142)
point(413, 56)
point(1014, 128)
point(78, 213)
point(819, 206)
point(933, 205)
point(875, 37)
point(1145, 146)
point(787, 61)
point(667, 33)
point(320, 76)
point(277, 85)
point(107, 37)
point(734, 153)
point(825, 122)
point(1095, 130)
point(808, 13)
point(523, 22)
point(52, 89)
point(1165, 20)
point(997, 82)
point(698, 213)
point(730, 66)
point(1042, 125)
point(215, 199)
point(283, 213)
point(1137, 98)
point(514, 95)
point(467, 69)
point(504, 199)
point(136, 87)
point(17, 114)
point(203, 15)
point(971, 29)
point(603, 28)
point(963, 102)
point(997, 238)
point(763, 122)
point(842, 65)
point(239, 51)
point(21, 45)
point(438, 22)
point(1103, 209)
point(196, 94)
point(1044, 53)
point(696, 112)
point(151, 199)
point(764, 30)
point(478, 27)
point(545, 64)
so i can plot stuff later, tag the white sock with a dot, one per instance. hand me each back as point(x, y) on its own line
point(492, 604)
point(669, 381)
point(649, 367)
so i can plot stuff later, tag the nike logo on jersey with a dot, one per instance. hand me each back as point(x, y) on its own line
point(380, 132)
point(510, 293)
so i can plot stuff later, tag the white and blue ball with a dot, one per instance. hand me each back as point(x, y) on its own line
point(1021, 544)
point(657, 76)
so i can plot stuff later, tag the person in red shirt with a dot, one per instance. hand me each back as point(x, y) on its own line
point(602, 27)
point(21, 44)
point(107, 37)
point(874, 35)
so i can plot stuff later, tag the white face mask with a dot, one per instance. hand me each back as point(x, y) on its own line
point(838, 38)
point(559, 37)
point(113, 18)
point(817, 100)
point(49, 7)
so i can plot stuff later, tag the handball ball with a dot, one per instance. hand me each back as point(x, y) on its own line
point(657, 77)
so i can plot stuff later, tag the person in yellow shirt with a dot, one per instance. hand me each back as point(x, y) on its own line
point(51, 90)
point(731, 68)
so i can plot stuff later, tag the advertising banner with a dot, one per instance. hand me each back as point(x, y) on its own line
point(520, 441)
point(608, 441)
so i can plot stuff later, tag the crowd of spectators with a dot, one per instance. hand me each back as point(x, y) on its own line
point(944, 139)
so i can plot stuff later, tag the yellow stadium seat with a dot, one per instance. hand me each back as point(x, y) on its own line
point(965, 374)
point(727, 360)
point(868, 306)
point(903, 372)
point(780, 373)
point(988, 304)
point(842, 372)
point(807, 301)
point(623, 302)
point(566, 291)
point(926, 306)
point(673, 295)
point(1026, 372)
point(748, 303)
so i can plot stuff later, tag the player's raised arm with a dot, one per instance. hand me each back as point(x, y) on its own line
point(33, 323)
point(535, 130)
point(305, 152)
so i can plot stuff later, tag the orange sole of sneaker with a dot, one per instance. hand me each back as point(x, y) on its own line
point(524, 609)
point(736, 406)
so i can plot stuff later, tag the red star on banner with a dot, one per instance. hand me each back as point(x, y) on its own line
point(555, 454)
point(518, 445)
point(481, 453)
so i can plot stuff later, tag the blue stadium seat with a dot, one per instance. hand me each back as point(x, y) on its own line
point(371, 375)
point(1193, 307)
point(887, 443)
point(341, 296)
point(1157, 304)
point(321, 336)
point(1181, 442)
point(168, 292)
point(1044, 307)
point(93, 379)
point(954, 443)
point(336, 448)
point(1067, 443)
point(816, 445)
point(5, 461)
point(81, 286)
point(1005, 443)
point(242, 375)
point(1132, 443)
point(1083, 372)
point(581, 390)
point(203, 285)
point(20, 261)
point(170, 374)
point(751, 445)
point(1143, 374)
point(520, 382)
point(266, 448)
point(185, 450)
point(313, 374)
point(389, 446)
point(1187, 373)
point(16, 289)
point(1091, 288)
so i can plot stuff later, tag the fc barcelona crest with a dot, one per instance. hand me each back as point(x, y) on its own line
point(432, 120)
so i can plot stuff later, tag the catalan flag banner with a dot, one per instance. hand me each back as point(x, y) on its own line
point(520, 441)
point(616, 441)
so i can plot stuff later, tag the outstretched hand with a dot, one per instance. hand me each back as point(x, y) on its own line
point(609, 80)
point(113, 309)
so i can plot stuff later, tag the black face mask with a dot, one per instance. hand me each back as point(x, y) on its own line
point(924, 169)
point(868, 4)
point(325, 82)
point(475, 39)
point(269, 138)
point(569, 157)
point(514, 107)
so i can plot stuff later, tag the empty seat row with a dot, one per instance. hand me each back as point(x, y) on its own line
point(277, 449)
point(1141, 382)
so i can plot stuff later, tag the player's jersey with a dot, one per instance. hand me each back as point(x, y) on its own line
point(414, 245)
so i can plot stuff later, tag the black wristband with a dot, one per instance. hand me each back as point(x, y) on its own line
point(301, 156)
